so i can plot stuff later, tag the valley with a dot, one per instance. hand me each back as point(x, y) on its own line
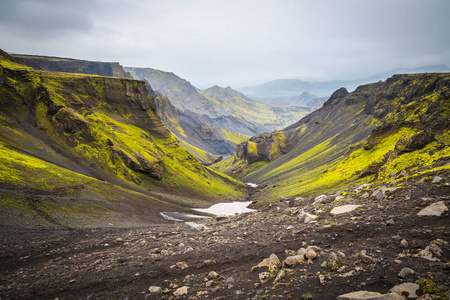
point(348, 193)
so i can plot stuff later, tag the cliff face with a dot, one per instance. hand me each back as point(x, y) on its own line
point(57, 64)
point(62, 127)
point(378, 129)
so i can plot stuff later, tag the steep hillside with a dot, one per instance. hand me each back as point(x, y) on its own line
point(182, 94)
point(90, 150)
point(372, 133)
point(69, 65)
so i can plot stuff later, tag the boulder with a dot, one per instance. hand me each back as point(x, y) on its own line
point(292, 261)
point(366, 295)
point(309, 218)
point(265, 276)
point(181, 291)
point(154, 289)
point(408, 287)
point(310, 254)
point(405, 272)
point(344, 209)
point(437, 179)
point(435, 209)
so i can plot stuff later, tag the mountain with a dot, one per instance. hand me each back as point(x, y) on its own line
point(215, 119)
point(85, 150)
point(68, 65)
point(182, 94)
point(378, 130)
point(285, 88)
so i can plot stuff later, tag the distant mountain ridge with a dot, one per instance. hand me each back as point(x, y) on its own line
point(294, 87)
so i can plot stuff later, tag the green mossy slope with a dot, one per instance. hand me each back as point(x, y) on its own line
point(100, 128)
point(377, 130)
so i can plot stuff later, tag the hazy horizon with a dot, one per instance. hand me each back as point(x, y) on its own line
point(235, 43)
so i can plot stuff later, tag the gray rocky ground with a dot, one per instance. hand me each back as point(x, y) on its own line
point(293, 249)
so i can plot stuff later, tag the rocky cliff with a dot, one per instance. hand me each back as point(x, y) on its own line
point(69, 65)
point(89, 134)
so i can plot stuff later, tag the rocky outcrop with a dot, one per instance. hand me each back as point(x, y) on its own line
point(263, 147)
point(68, 65)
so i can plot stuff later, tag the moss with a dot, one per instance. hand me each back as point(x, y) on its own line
point(251, 147)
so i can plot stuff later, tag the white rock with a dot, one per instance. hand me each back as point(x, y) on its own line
point(411, 288)
point(435, 209)
point(154, 289)
point(291, 261)
point(340, 197)
point(181, 291)
point(265, 276)
point(212, 275)
point(437, 179)
point(344, 209)
point(360, 295)
point(193, 227)
point(405, 272)
point(310, 254)
point(273, 260)
point(365, 295)
point(309, 218)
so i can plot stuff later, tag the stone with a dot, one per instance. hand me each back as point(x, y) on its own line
point(193, 227)
point(333, 262)
point(432, 251)
point(310, 254)
point(390, 222)
point(405, 272)
point(391, 175)
point(181, 291)
point(265, 276)
point(366, 295)
point(209, 262)
point(273, 260)
point(286, 199)
point(379, 193)
point(408, 287)
point(339, 197)
point(360, 295)
point(404, 243)
point(344, 209)
point(402, 173)
point(329, 199)
point(435, 209)
point(309, 218)
point(212, 275)
point(437, 179)
point(292, 261)
point(182, 265)
point(319, 198)
point(280, 276)
point(154, 289)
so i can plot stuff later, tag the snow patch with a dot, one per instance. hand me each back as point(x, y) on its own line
point(253, 185)
point(227, 209)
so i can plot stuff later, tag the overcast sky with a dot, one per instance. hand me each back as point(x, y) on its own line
point(235, 42)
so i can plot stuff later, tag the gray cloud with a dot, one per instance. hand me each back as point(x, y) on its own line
point(235, 42)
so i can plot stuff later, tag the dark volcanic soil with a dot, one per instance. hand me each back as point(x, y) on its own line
point(111, 263)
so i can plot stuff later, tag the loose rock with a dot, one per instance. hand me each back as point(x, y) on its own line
point(435, 209)
point(405, 272)
point(408, 287)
